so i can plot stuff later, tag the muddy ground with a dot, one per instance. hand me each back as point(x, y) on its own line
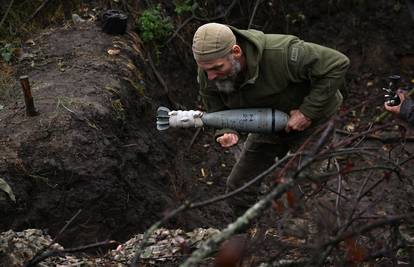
point(94, 145)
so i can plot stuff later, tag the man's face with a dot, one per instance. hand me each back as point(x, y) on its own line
point(221, 68)
point(223, 71)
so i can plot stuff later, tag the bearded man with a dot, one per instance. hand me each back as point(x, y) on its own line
point(247, 69)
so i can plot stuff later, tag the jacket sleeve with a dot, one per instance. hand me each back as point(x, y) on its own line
point(407, 111)
point(325, 68)
point(212, 101)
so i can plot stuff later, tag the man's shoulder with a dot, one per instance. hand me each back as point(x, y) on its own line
point(280, 41)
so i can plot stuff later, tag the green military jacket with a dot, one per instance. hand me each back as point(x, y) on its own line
point(283, 72)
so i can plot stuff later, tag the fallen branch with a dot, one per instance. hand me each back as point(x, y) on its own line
point(390, 220)
point(39, 254)
point(53, 253)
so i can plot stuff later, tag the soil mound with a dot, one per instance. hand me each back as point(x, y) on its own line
point(94, 145)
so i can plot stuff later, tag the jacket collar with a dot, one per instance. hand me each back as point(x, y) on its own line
point(252, 43)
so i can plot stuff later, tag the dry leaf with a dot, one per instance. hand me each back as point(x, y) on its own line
point(113, 51)
point(30, 42)
point(387, 147)
point(4, 186)
point(350, 127)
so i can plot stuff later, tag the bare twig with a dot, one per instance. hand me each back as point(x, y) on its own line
point(148, 233)
point(180, 27)
point(406, 160)
point(42, 5)
point(252, 213)
point(343, 236)
point(6, 13)
point(390, 220)
point(194, 16)
point(337, 202)
point(65, 227)
point(39, 254)
point(245, 186)
point(359, 135)
point(53, 253)
point(162, 82)
point(241, 222)
point(223, 15)
point(302, 147)
point(194, 138)
point(189, 205)
point(382, 138)
point(256, 5)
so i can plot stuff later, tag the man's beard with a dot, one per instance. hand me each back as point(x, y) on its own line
point(227, 84)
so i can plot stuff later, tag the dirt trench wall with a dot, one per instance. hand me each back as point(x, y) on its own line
point(94, 145)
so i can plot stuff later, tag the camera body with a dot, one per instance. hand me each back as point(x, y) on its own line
point(391, 97)
point(114, 22)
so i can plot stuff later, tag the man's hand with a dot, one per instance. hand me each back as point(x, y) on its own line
point(395, 109)
point(297, 121)
point(228, 139)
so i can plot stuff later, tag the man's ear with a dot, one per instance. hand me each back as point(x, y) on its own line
point(236, 51)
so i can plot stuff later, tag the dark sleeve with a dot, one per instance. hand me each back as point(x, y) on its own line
point(407, 111)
